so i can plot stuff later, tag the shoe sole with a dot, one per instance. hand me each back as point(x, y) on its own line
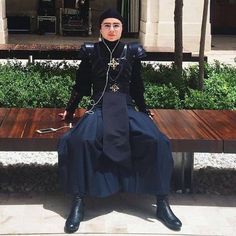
point(169, 226)
point(69, 231)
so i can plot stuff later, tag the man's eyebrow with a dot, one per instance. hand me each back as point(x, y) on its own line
point(113, 23)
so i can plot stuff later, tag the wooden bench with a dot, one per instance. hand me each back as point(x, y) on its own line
point(70, 52)
point(189, 131)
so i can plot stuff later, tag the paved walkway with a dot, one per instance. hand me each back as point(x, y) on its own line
point(223, 49)
point(223, 46)
point(122, 214)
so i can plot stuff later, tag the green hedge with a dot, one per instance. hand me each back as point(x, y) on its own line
point(39, 85)
point(167, 90)
point(162, 96)
point(47, 84)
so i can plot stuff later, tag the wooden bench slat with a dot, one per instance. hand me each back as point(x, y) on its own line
point(14, 123)
point(3, 114)
point(186, 131)
point(223, 122)
point(12, 128)
point(48, 118)
point(44, 118)
point(18, 131)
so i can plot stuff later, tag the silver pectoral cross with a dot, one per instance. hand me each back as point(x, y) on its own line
point(113, 63)
point(114, 88)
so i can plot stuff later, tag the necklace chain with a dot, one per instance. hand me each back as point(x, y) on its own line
point(111, 52)
point(114, 88)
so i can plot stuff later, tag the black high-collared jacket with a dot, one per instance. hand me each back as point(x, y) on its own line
point(91, 75)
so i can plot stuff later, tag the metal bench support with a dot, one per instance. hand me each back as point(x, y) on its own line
point(183, 171)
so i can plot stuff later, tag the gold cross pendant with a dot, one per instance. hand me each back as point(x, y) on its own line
point(114, 88)
point(113, 63)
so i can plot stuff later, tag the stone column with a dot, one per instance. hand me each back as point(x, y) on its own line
point(157, 24)
point(192, 20)
point(149, 22)
point(165, 33)
point(3, 22)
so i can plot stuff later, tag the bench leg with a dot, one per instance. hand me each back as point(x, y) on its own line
point(183, 171)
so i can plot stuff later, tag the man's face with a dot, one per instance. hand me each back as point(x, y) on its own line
point(111, 29)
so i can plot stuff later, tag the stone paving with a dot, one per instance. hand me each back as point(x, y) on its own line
point(121, 214)
point(223, 46)
point(223, 49)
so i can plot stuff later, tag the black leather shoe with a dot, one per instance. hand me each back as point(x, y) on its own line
point(76, 215)
point(166, 215)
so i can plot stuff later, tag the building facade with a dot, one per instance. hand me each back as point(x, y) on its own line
point(157, 24)
point(3, 22)
point(156, 20)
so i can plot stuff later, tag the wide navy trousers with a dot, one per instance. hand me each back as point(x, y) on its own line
point(84, 169)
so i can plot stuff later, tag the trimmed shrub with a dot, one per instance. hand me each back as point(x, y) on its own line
point(35, 86)
point(47, 84)
point(161, 96)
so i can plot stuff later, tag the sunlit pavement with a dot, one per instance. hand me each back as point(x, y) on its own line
point(121, 214)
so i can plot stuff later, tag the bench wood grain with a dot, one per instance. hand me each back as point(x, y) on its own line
point(188, 130)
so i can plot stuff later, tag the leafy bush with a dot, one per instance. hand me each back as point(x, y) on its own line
point(219, 90)
point(159, 73)
point(42, 84)
point(46, 84)
point(165, 74)
point(198, 100)
point(162, 96)
point(29, 86)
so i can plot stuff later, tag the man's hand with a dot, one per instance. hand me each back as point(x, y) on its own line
point(151, 115)
point(66, 115)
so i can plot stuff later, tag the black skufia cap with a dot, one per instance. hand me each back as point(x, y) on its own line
point(110, 13)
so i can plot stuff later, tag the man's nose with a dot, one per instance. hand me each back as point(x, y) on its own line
point(112, 28)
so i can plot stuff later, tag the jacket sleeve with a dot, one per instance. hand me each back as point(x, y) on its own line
point(137, 87)
point(82, 86)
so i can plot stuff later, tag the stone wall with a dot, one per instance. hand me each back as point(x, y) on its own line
point(3, 22)
point(157, 24)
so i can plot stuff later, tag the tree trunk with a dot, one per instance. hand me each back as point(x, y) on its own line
point(178, 19)
point(202, 44)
